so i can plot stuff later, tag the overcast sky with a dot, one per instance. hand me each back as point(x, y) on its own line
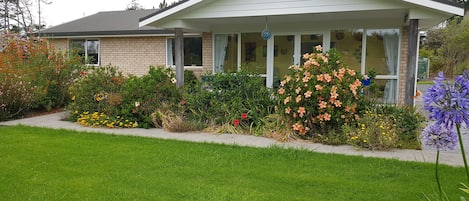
point(61, 11)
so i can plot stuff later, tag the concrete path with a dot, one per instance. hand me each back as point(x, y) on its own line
point(55, 121)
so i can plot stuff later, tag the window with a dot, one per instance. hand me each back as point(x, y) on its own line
point(380, 53)
point(192, 51)
point(88, 50)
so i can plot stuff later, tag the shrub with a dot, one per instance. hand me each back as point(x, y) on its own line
point(99, 90)
point(229, 96)
point(144, 95)
point(33, 75)
point(373, 131)
point(321, 95)
point(409, 123)
point(104, 90)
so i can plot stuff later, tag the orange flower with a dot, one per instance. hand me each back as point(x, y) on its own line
point(337, 103)
point(351, 72)
point(287, 110)
point(322, 105)
point(297, 127)
point(298, 98)
point(417, 94)
point(318, 48)
point(320, 78)
point(281, 91)
point(301, 111)
point(298, 90)
point(287, 100)
point(319, 87)
point(327, 78)
point(308, 94)
point(327, 117)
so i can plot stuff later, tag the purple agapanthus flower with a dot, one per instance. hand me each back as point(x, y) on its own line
point(440, 137)
point(448, 103)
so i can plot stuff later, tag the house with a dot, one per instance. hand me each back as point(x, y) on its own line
point(115, 38)
point(267, 37)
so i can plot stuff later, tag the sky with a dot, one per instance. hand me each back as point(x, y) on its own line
point(62, 11)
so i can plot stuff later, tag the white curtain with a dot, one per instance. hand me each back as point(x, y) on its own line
point(391, 48)
point(169, 52)
point(221, 43)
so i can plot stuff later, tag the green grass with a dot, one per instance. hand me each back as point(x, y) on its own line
point(46, 164)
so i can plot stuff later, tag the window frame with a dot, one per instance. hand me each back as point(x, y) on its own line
point(85, 48)
point(170, 60)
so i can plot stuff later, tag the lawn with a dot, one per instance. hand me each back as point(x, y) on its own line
point(46, 164)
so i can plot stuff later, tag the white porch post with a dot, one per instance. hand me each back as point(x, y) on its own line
point(179, 56)
point(270, 62)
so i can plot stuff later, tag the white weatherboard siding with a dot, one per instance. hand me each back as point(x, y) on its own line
point(244, 8)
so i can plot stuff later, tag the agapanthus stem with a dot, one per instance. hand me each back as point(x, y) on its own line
point(462, 150)
point(436, 174)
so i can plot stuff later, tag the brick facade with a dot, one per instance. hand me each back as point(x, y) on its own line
point(61, 45)
point(133, 55)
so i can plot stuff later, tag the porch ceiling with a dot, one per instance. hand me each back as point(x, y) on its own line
point(318, 21)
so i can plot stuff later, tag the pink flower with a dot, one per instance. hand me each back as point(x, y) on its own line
point(287, 110)
point(351, 72)
point(308, 94)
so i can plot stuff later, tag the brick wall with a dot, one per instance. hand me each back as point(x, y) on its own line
point(60, 44)
point(133, 55)
point(403, 64)
point(207, 51)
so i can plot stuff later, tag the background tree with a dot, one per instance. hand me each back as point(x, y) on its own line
point(18, 15)
point(448, 47)
point(163, 4)
point(134, 5)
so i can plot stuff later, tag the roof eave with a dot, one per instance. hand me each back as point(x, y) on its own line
point(451, 8)
point(104, 33)
point(146, 21)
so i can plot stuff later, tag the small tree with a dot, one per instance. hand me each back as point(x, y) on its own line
point(134, 5)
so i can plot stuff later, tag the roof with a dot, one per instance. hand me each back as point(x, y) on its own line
point(446, 7)
point(110, 23)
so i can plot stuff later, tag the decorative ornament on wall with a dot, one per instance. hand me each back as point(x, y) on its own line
point(266, 34)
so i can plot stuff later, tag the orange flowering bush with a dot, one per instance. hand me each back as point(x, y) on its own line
point(321, 95)
point(33, 75)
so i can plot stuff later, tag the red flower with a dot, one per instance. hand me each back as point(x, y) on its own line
point(236, 122)
point(183, 102)
point(83, 73)
point(244, 116)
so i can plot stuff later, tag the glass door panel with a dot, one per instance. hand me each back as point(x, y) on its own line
point(253, 53)
point(284, 52)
